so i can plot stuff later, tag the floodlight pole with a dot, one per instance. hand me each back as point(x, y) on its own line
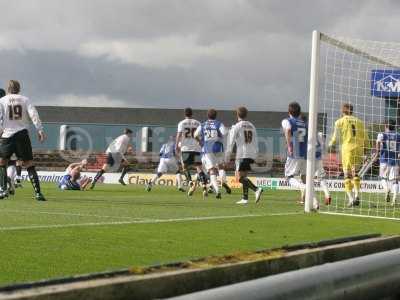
point(312, 121)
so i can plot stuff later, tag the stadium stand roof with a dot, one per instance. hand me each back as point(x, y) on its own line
point(147, 116)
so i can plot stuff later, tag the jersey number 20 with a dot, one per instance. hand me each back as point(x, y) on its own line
point(189, 132)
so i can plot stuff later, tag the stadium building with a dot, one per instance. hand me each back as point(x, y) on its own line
point(74, 128)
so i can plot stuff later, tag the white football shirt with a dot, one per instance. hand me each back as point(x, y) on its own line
point(187, 128)
point(119, 145)
point(16, 113)
point(244, 135)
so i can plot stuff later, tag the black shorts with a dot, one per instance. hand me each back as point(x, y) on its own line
point(114, 159)
point(244, 164)
point(190, 158)
point(19, 143)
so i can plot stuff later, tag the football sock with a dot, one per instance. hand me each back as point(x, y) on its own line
point(222, 176)
point(3, 178)
point(155, 177)
point(214, 183)
point(395, 188)
point(294, 182)
point(251, 185)
point(124, 171)
point(34, 178)
point(19, 170)
point(348, 187)
point(179, 180)
point(324, 187)
point(188, 176)
point(244, 182)
point(385, 186)
point(357, 185)
point(203, 178)
point(98, 175)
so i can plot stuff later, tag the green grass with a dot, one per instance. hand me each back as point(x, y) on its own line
point(116, 227)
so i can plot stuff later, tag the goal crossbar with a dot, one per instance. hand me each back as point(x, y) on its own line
point(351, 49)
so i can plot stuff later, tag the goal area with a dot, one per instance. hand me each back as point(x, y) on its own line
point(364, 76)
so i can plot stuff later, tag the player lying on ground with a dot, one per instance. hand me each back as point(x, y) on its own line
point(116, 156)
point(244, 135)
point(210, 135)
point(189, 149)
point(16, 111)
point(351, 132)
point(168, 163)
point(388, 147)
point(72, 180)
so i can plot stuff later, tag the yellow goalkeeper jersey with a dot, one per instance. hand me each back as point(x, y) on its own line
point(351, 131)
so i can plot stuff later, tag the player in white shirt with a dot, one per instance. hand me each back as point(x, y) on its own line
point(244, 135)
point(211, 137)
point(189, 149)
point(116, 156)
point(168, 163)
point(16, 112)
point(72, 180)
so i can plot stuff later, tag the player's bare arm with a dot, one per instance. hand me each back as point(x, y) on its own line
point(177, 142)
point(288, 137)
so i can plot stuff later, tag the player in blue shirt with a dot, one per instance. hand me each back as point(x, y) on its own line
point(168, 163)
point(72, 180)
point(388, 147)
point(295, 131)
point(210, 135)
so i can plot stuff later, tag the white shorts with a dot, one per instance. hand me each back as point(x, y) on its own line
point(388, 172)
point(167, 165)
point(212, 160)
point(295, 167)
point(319, 169)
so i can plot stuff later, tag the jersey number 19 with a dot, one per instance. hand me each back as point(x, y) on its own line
point(15, 112)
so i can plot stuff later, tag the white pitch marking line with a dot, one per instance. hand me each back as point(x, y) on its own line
point(359, 216)
point(144, 221)
point(65, 214)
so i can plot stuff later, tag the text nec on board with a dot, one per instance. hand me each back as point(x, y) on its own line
point(385, 83)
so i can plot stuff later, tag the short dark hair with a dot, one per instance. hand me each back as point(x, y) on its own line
point(13, 87)
point(294, 109)
point(347, 109)
point(212, 114)
point(188, 112)
point(242, 112)
point(127, 131)
point(391, 124)
point(2, 93)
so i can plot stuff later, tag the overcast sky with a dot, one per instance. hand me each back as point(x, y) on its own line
point(176, 53)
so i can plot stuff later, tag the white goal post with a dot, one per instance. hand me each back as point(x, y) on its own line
point(365, 74)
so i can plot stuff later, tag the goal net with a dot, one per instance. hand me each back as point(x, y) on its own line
point(364, 75)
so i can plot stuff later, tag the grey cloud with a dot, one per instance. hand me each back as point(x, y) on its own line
point(272, 66)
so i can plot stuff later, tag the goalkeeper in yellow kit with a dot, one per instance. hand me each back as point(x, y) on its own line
point(353, 138)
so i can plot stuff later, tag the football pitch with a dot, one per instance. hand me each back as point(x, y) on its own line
point(115, 227)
